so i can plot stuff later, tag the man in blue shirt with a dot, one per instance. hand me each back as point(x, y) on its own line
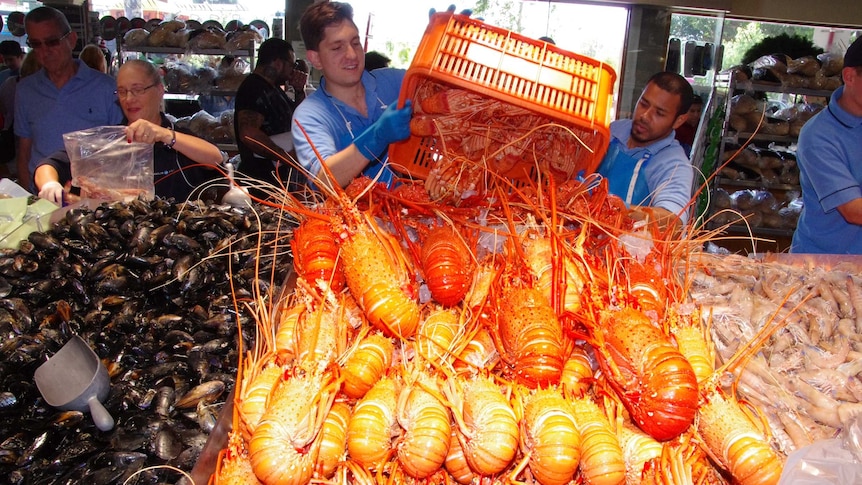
point(645, 165)
point(829, 156)
point(64, 96)
point(351, 120)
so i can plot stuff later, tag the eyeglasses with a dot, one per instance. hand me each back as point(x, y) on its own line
point(38, 44)
point(122, 93)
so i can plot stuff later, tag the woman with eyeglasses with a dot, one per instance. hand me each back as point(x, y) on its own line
point(180, 160)
point(64, 96)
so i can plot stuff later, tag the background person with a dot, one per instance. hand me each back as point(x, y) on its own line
point(215, 104)
point(103, 47)
point(829, 156)
point(686, 132)
point(375, 60)
point(92, 56)
point(352, 117)
point(644, 164)
point(64, 96)
point(175, 153)
point(13, 56)
point(262, 116)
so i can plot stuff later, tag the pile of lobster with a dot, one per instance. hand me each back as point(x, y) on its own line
point(476, 134)
point(529, 337)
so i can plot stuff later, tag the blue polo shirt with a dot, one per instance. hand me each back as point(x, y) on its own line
point(829, 156)
point(332, 125)
point(44, 113)
point(668, 172)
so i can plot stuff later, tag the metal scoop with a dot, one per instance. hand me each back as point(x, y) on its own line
point(74, 379)
point(236, 196)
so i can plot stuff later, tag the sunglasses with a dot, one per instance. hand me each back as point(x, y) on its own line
point(38, 44)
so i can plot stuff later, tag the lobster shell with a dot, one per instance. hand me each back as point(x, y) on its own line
point(655, 382)
point(531, 337)
point(447, 265)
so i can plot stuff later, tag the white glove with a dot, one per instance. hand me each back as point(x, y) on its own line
point(52, 191)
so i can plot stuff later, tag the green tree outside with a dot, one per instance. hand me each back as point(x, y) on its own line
point(738, 36)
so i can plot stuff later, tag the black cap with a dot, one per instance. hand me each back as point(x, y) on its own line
point(853, 57)
point(11, 48)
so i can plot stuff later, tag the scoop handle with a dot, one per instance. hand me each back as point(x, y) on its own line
point(103, 419)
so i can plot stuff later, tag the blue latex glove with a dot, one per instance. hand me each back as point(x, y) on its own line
point(393, 125)
point(452, 8)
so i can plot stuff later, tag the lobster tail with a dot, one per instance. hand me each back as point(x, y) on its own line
point(653, 379)
point(531, 337)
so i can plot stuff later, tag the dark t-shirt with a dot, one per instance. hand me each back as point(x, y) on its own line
point(173, 173)
point(256, 94)
point(685, 136)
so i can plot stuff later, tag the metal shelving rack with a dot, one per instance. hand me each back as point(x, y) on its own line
point(727, 86)
point(247, 52)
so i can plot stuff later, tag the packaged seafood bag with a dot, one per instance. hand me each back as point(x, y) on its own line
point(105, 166)
point(836, 461)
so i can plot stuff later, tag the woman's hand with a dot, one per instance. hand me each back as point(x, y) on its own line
point(52, 191)
point(143, 131)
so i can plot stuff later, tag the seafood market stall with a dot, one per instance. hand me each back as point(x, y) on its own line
point(483, 322)
point(529, 331)
point(168, 338)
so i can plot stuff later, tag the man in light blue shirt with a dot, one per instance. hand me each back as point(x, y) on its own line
point(64, 96)
point(351, 120)
point(829, 156)
point(645, 165)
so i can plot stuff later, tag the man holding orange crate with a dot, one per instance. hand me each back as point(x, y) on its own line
point(645, 165)
point(352, 118)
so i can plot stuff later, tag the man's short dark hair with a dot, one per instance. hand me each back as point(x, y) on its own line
point(675, 84)
point(273, 49)
point(11, 48)
point(853, 56)
point(320, 15)
point(48, 14)
point(375, 60)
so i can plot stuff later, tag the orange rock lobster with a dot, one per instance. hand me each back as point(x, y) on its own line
point(375, 268)
point(284, 447)
point(654, 380)
point(531, 338)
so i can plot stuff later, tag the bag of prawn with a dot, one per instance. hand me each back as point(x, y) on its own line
point(105, 166)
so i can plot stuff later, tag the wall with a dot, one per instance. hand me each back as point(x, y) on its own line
point(840, 13)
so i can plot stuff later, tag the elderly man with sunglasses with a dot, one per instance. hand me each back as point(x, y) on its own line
point(64, 96)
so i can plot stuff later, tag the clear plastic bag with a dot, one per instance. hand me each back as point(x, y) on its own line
point(828, 462)
point(106, 166)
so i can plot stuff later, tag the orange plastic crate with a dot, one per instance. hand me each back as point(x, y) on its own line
point(566, 88)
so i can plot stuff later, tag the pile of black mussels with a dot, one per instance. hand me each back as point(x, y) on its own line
point(157, 289)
